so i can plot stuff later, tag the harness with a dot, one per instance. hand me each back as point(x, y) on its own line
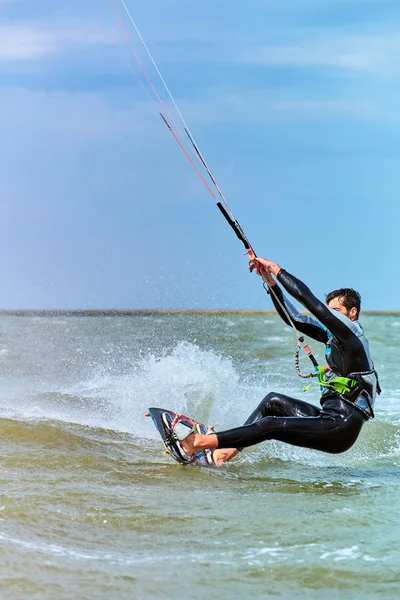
point(349, 388)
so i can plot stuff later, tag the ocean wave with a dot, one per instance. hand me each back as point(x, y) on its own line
point(198, 382)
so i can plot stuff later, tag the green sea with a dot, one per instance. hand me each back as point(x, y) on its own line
point(91, 507)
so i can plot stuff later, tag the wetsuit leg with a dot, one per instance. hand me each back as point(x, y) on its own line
point(279, 405)
point(334, 430)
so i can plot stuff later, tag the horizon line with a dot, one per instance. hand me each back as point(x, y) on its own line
point(157, 311)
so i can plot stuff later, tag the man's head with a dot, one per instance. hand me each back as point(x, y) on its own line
point(345, 300)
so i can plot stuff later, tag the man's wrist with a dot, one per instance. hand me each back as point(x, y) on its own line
point(275, 269)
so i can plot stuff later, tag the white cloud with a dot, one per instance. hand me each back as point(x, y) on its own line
point(368, 53)
point(310, 55)
point(262, 107)
point(21, 41)
point(327, 47)
point(360, 109)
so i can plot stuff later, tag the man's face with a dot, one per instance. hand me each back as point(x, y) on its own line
point(337, 304)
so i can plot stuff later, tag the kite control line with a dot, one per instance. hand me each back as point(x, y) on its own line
point(188, 144)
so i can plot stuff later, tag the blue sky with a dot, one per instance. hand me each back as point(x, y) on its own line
point(295, 105)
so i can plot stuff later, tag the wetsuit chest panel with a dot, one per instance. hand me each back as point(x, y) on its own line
point(335, 357)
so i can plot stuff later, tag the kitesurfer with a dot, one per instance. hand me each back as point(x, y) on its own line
point(349, 383)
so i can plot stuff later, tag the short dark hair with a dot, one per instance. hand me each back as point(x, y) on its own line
point(351, 298)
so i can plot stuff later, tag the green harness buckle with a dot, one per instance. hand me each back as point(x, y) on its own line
point(341, 385)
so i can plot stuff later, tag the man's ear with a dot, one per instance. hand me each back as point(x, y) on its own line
point(353, 314)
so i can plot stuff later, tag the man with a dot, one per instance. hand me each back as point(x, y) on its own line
point(345, 403)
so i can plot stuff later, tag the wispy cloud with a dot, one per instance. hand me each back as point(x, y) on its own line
point(261, 108)
point(23, 41)
point(359, 109)
point(380, 53)
point(316, 54)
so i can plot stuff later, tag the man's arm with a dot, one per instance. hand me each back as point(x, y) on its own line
point(286, 310)
point(303, 294)
point(304, 323)
point(298, 290)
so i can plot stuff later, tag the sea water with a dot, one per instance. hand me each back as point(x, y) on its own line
point(91, 507)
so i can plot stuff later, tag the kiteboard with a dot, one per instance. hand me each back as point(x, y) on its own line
point(162, 420)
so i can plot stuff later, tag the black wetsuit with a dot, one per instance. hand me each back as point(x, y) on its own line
point(335, 426)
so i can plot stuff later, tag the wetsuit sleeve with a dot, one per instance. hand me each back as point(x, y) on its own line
point(298, 290)
point(304, 323)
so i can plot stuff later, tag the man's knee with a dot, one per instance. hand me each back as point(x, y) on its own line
point(270, 403)
point(275, 405)
point(270, 396)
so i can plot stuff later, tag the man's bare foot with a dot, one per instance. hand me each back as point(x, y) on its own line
point(223, 455)
point(195, 442)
